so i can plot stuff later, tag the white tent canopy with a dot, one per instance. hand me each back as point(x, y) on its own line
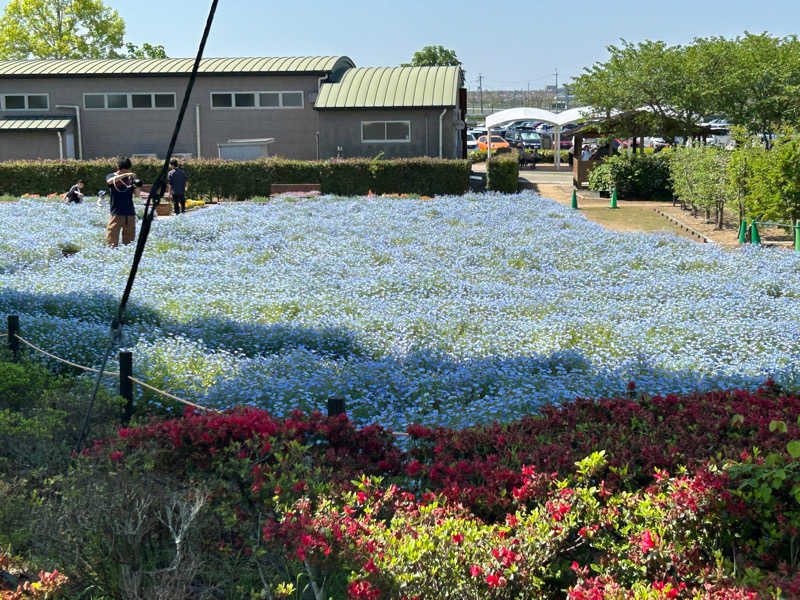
point(573, 115)
point(558, 120)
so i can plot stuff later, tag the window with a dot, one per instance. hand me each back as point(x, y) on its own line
point(385, 131)
point(269, 99)
point(292, 99)
point(221, 100)
point(129, 100)
point(25, 102)
point(245, 100)
point(164, 100)
point(94, 101)
point(141, 101)
point(117, 100)
point(256, 99)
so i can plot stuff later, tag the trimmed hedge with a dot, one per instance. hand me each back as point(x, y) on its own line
point(243, 180)
point(640, 176)
point(502, 172)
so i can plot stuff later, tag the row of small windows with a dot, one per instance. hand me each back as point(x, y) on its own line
point(125, 101)
point(157, 100)
point(25, 102)
point(256, 99)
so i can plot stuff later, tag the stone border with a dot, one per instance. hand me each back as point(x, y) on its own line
point(693, 232)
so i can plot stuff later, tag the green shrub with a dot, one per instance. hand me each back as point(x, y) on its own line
point(243, 180)
point(503, 173)
point(475, 156)
point(645, 177)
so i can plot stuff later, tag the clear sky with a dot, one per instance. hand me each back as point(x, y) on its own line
point(511, 43)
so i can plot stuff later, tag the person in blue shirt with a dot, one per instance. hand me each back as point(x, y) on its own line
point(122, 185)
point(178, 185)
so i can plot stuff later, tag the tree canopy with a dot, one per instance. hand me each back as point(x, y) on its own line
point(66, 29)
point(751, 80)
point(434, 56)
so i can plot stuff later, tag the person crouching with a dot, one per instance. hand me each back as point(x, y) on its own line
point(122, 185)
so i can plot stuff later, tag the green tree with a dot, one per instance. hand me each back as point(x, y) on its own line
point(145, 51)
point(774, 182)
point(755, 79)
point(434, 56)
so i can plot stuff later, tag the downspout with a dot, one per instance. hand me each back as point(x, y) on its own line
point(197, 123)
point(441, 132)
point(77, 110)
point(60, 146)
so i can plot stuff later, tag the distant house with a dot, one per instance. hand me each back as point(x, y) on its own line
point(300, 107)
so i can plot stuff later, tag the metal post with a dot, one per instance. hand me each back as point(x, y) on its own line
point(126, 385)
point(755, 238)
point(13, 332)
point(336, 407)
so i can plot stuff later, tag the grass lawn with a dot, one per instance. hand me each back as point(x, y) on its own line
point(631, 218)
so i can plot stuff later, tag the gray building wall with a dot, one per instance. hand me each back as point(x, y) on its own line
point(31, 144)
point(108, 133)
point(343, 128)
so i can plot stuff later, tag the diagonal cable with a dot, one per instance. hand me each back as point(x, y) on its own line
point(156, 191)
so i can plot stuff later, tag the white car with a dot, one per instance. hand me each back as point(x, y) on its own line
point(472, 142)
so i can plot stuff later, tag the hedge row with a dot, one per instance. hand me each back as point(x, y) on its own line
point(243, 180)
point(640, 176)
point(502, 173)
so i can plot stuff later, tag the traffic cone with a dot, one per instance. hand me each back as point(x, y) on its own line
point(575, 199)
point(754, 237)
point(614, 198)
point(742, 232)
point(797, 237)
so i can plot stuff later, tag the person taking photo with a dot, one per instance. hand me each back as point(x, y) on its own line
point(122, 185)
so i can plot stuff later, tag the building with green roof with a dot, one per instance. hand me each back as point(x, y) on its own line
point(297, 107)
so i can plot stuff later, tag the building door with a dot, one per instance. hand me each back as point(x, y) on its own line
point(69, 142)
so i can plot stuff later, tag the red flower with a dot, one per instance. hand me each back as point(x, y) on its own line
point(475, 570)
point(362, 497)
point(496, 580)
point(458, 538)
point(116, 455)
point(646, 542)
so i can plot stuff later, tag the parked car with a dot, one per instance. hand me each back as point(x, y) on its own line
point(472, 142)
point(497, 143)
point(525, 138)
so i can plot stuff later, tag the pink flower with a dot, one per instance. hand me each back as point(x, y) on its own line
point(475, 570)
point(646, 542)
point(116, 455)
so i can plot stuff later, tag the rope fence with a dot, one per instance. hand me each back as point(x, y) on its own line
point(125, 373)
point(336, 406)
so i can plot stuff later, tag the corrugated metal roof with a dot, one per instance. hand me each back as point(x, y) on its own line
point(168, 66)
point(28, 124)
point(393, 87)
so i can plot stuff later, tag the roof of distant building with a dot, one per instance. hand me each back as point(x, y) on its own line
point(132, 67)
point(393, 87)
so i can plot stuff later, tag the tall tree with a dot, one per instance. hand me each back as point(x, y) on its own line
point(60, 29)
point(145, 51)
point(434, 56)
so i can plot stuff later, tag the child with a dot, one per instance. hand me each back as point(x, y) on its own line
point(75, 194)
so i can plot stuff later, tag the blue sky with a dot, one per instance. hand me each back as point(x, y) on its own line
point(511, 43)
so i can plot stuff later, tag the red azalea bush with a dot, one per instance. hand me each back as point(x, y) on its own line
point(660, 508)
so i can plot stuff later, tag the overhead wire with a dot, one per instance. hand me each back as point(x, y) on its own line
point(156, 191)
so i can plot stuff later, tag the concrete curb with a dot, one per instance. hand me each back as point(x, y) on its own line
point(693, 232)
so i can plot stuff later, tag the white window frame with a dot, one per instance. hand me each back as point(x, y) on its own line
point(130, 100)
point(257, 96)
point(385, 141)
point(26, 95)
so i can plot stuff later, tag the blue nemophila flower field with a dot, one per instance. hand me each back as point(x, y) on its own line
point(453, 311)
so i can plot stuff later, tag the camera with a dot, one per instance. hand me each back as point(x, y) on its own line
point(137, 183)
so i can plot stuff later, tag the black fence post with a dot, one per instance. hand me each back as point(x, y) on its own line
point(126, 385)
point(13, 332)
point(336, 407)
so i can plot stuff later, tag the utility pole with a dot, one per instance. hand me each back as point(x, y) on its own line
point(480, 90)
point(528, 95)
